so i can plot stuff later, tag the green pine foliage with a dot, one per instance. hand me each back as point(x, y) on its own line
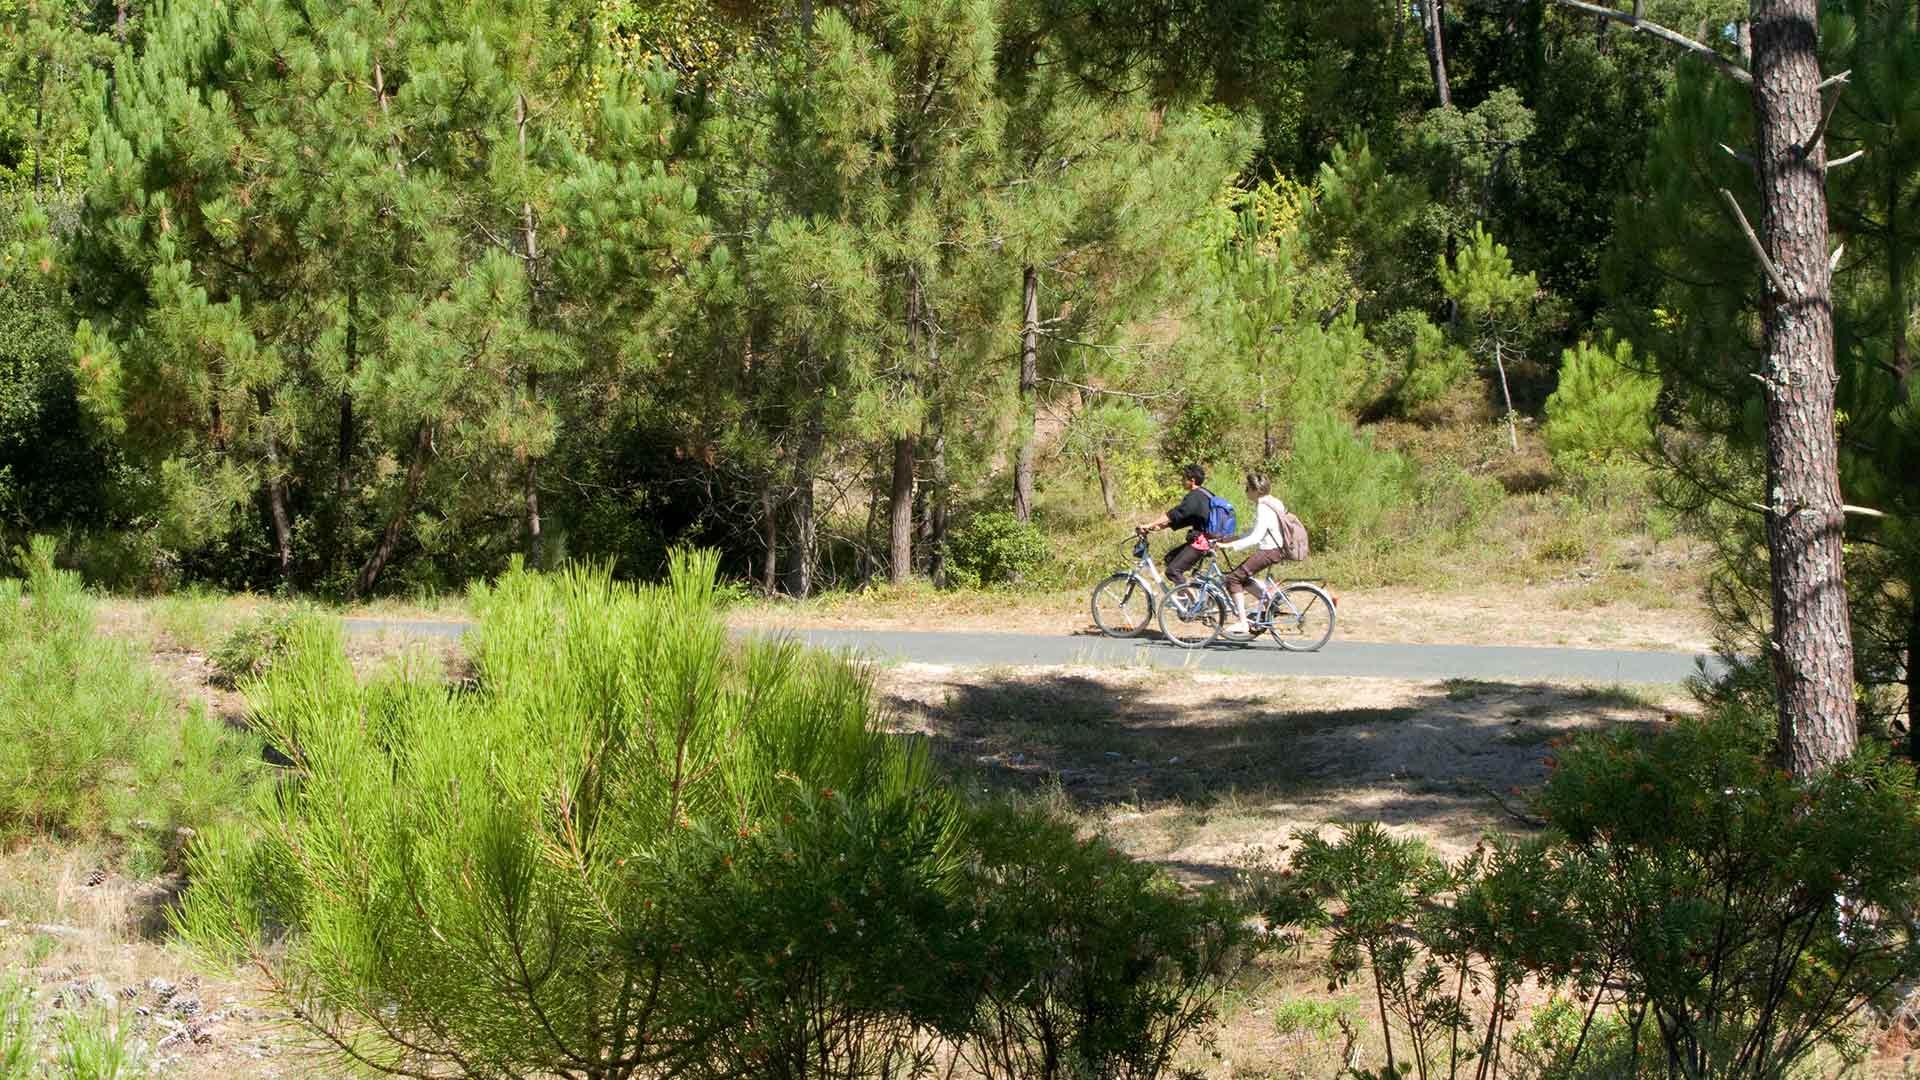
point(92, 746)
point(1603, 409)
point(348, 276)
point(639, 848)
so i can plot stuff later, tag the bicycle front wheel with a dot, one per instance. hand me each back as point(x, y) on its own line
point(1192, 616)
point(1122, 605)
point(1300, 617)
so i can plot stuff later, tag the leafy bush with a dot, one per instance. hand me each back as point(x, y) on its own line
point(91, 745)
point(250, 649)
point(995, 548)
point(1715, 916)
point(1096, 965)
point(1751, 916)
point(1446, 948)
point(1430, 365)
point(639, 848)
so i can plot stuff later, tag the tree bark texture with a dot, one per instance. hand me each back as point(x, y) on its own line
point(276, 487)
point(1029, 390)
point(770, 535)
point(806, 524)
point(1812, 631)
point(900, 511)
point(1435, 12)
point(937, 504)
point(390, 536)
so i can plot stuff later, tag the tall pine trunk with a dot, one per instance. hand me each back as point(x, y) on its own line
point(530, 246)
point(1435, 11)
point(347, 434)
point(937, 503)
point(390, 536)
point(900, 511)
point(342, 479)
point(276, 492)
point(806, 526)
point(1029, 390)
point(1812, 644)
point(770, 538)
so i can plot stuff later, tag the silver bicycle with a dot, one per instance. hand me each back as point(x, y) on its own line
point(1125, 602)
point(1299, 615)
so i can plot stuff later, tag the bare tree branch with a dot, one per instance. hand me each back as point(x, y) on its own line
point(1773, 272)
point(1633, 21)
point(1833, 260)
point(1742, 157)
point(1848, 160)
point(1820, 129)
point(1106, 390)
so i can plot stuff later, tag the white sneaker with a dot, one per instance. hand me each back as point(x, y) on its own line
point(1238, 628)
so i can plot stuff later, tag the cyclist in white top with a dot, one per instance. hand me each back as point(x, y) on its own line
point(1266, 536)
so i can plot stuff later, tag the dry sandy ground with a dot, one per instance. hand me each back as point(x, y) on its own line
point(1194, 770)
point(1573, 614)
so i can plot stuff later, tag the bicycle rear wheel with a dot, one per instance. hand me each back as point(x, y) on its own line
point(1122, 605)
point(1301, 617)
point(1192, 616)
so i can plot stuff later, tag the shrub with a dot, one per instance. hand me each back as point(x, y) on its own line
point(1603, 408)
point(250, 649)
point(91, 745)
point(1340, 485)
point(1752, 917)
point(636, 847)
point(995, 548)
point(1096, 965)
point(1445, 948)
point(1711, 912)
point(483, 878)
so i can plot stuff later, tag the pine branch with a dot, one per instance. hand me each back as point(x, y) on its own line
point(1848, 160)
point(1633, 21)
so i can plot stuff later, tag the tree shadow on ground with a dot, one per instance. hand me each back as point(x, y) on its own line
point(1195, 770)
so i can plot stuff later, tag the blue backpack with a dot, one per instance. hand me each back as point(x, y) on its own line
point(1222, 521)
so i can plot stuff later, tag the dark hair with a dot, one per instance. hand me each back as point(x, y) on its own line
point(1195, 473)
point(1258, 483)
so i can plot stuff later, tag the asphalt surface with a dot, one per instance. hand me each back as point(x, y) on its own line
point(1339, 658)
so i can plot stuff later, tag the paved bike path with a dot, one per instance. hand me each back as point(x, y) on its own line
point(1362, 659)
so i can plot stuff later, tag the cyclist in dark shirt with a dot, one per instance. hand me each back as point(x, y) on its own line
point(1191, 514)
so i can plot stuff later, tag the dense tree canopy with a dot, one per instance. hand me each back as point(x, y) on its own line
point(350, 295)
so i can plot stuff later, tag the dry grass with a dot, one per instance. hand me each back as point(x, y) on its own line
point(84, 938)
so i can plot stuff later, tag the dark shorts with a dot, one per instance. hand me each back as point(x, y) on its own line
point(1182, 559)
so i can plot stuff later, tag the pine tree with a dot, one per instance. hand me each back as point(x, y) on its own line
point(1493, 301)
point(326, 264)
point(1701, 306)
